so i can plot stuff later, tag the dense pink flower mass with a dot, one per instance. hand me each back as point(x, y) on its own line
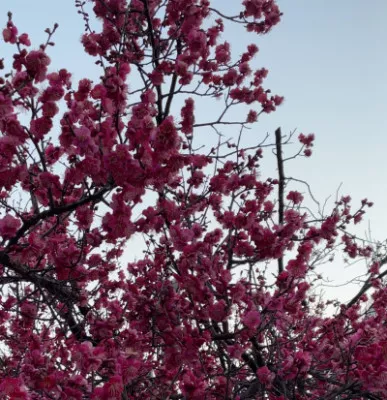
point(222, 301)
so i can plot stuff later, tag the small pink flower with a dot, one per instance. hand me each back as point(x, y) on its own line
point(307, 152)
point(10, 33)
point(50, 109)
point(252, 319)
point(218, 311)
point(24, 39)
point(230, 77)
point(265, 376)
point(295, 197)
point(9, 226)
point(115, 387)
point(252, 116)
point(188, 118)
point(306, 140)
point(156, 77)
point(222, 53)
point(40, 127)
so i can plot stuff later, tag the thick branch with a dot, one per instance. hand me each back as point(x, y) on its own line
point(56, 211)
point(56, 289)
point(281, 186)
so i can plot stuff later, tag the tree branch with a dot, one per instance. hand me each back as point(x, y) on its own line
point(281, 186)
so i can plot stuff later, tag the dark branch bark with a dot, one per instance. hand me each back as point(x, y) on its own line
point(58, 290)
point(56, 211)
point(281, 186)
point(367, 285)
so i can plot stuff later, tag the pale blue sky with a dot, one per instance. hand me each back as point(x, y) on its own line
point(327, 57)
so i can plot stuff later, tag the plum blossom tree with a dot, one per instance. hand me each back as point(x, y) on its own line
point(221, 304)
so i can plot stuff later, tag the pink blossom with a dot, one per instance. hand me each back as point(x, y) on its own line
point(141, 260)
point(9, 226)
point(230, 78)
point(40, 127)
point(218, 311)
point(188, 118)
point(295, 197)
point(265, 376)
point(10, 33)
point(24, 39)
point(222, 53)
point(36, 63)
point(252, 116)
point(252, 319)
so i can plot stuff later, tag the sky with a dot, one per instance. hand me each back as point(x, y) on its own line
point(327, 58)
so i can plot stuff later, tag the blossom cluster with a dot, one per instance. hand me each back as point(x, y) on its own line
point(221, 303)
